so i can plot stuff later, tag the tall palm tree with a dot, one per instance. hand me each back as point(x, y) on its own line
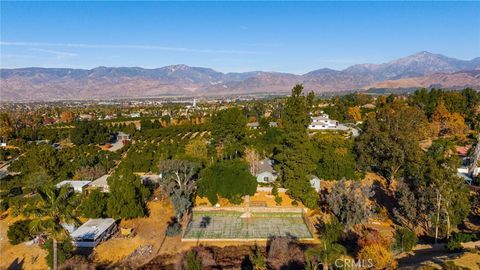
point(54, 207)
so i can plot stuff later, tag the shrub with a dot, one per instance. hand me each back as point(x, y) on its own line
point(455, 243)
point(294, 203)
point(3, 205)
point(379, 256)
point(19, 232)
point(278, 200)
point(371, 237)
point(258, 260)
point(405, 239)
point(192, 261)
point(173, 229)
point(275, 190)
point(64, 251)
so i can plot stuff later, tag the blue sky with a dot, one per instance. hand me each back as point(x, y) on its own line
point(233, 36)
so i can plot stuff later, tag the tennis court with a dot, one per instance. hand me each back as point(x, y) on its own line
point(259, 225)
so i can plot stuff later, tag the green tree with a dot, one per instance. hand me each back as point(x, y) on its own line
point(405, 239)
point(127, 195)
point(53, 208)
point(87, 132)
point(229, 131)
point(294, 156)
point(389, 143)
point(336, 157)
point(228, 179)
point(94, 205)
point(329, 249)
point(19, 232)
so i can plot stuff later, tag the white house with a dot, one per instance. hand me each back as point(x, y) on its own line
point(315, 182)
point(323, 122)
point(122, 136)
point(77, 185)
point(265, 172)
point(93, 232)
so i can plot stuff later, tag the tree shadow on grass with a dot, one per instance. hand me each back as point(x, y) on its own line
point(16, 264)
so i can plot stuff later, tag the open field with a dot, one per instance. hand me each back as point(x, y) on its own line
point(19, 256)
point(212, 225)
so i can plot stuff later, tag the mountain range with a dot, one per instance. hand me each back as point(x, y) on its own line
point(422, 69)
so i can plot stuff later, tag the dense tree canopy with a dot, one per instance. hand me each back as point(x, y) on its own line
point(227, 179)
point(389, 143)
point(229, 132)
point(94, 205)
point(127, 195)
point(87, 132)
point(336, 159)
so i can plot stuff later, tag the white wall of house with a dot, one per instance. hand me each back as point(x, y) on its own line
point(266, 177)
point(315, 183)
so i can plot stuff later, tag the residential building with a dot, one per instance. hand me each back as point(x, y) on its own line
point(265, 172)
point(122, 136)
point(323, 122)
point(93, 232)
point(100, 184)
point(76, 185)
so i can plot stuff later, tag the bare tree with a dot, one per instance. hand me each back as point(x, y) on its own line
point(252, 157)
point(178, 179)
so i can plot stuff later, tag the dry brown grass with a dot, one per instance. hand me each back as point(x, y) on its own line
point(469, 260)
point(260, 196)
point(33, 257)
point(148, 231)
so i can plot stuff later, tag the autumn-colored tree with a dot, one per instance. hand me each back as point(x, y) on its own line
point(355, 114)
point(371, 237)
point(67, 116)
point(197, 148)
point(6, 126)
point(447, 123)
point(377, 257)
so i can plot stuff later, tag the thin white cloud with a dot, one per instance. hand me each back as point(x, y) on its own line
point(125, 46)
point(56, 53)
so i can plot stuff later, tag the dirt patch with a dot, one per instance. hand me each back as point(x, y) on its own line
point(20, 256)
point(149, 232)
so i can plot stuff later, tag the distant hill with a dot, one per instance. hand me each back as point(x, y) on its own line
point(423, 69)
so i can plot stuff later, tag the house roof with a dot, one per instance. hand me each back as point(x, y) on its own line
point(320, 118)
point(76, 184)
point(100, 182)
point(93, 228)
point(265, 165)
